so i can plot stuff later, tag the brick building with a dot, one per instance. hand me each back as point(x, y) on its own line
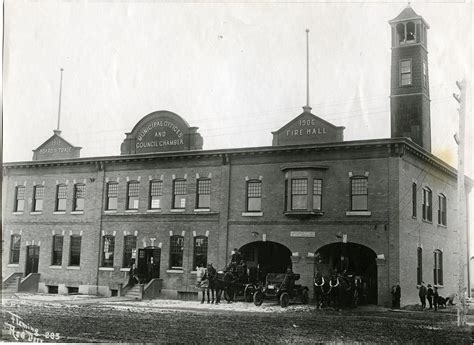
point(310, 200)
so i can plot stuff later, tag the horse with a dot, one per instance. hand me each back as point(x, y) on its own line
point(321, 290)
point(223, 282)
point(341, 291)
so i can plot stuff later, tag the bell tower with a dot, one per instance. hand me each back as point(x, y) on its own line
point(409, 90)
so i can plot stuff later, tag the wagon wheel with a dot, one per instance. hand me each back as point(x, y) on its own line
point(284, 299)
point(304, 297)
point(248, 293)
point(258, 298)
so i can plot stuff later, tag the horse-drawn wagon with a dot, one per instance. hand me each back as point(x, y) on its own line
point(282, 287)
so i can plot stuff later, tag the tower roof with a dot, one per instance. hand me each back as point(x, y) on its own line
point(408, 13)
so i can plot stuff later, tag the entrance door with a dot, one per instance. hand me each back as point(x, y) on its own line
point(32, 258)
point(149, 263)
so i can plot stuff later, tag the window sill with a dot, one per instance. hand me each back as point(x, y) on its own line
point(442, 226)
point(77, 212)
point(359, 213)
point(202, 210)
point(125, 269)
point(252, 214)
point(55, 267)
point(13, 265)
point(178, 210)
point(59, 212)
point(300, 213)
point(106, 268)
point(414, 217)
point(154, 210)
point(131, 211)
point(427, 221)
point(193, 272)
point(177, 271)
point(17, 212)
point(110, 211)
point(74, 267)
point(34, 213)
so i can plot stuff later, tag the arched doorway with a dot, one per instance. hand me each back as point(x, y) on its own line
point(355, 258)
point(148, 266)
point(269, 257)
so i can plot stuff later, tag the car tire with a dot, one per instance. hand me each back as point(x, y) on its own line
point(248, 293)
point(284, 299)
point(258, 298)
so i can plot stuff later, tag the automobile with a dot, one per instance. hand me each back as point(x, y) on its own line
point(276, 287)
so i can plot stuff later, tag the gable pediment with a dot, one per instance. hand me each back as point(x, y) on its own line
point(56, 147)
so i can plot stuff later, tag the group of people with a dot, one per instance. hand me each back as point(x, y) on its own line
point(428, 293)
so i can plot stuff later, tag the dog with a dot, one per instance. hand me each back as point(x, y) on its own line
point(442, 302)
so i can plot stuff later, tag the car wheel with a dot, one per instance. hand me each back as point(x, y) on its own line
point(258, 298)
point(248, 294)
point(284, 299)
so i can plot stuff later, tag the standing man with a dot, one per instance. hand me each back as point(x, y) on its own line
point(398, 295)
point(430, 295)
point(422, 293)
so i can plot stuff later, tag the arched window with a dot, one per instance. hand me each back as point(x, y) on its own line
point(410, 32)
point(176, 252)
point(438, 267)
point(200, 251)
point(442, 209)
point(401, 33)
point(419, 265)
point(427, 205)
point(112, 193)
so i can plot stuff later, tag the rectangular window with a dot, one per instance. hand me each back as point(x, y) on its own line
point(15, 249)
point(61, 195)
point(425, 74)
point(438, 268)
point(317, 194)
point(359, 193)
point(176, 252)
point(413, 199)
point(427, 205)
point(203, 193)
point(19, 199)
point(108, 246)
point(179, 193)
point(57, 255)
point(200, 252)
point(442, 210)
point(75, 251)
point(129, 250)
point(112, 193)
point(254, 196)
point(38, 194)
point(299, 194)
point(405, 72)
point(79, 195)
point(419, 265)
point(156, 191)
point(133, 193)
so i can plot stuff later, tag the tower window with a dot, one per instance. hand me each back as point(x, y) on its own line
point(405, 72)
point(427, 205)
point(413, 199)
point(425, 74)
point(442, 210)
point(410, 32)
point(401, 33)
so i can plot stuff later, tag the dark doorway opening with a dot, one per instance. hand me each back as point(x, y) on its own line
point(148, 266)
point(32, 259)
point(355, 258)
point(269, 257)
